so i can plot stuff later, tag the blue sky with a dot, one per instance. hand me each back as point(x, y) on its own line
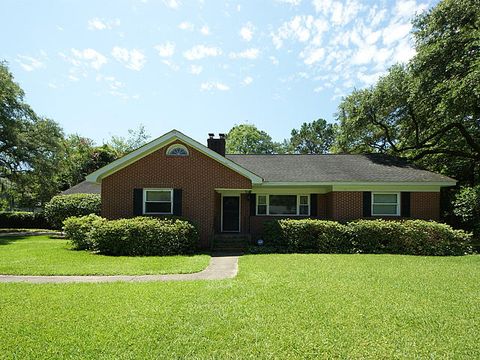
point(102, 67)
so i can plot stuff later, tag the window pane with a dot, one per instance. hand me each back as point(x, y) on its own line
point(384, 209)
point(262, 210)
point(303, 209)
point(283, 204)
point(385, 198)
point(303, 200)
point(158, 195)
point(156, 207)
point(262, 200)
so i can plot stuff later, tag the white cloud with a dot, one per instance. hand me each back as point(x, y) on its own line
point(201, 51)
point(171, 65)
point(165, 50)
point(369, 79)
point(247, 80)
point(101, 24)
point(172, 4)
point(300, 28)
point(339, 13)
point(250, 54)
point(132, 59)
point(205, 30)
point(196, 69)
point(274, 60)
point(246, 32)
point(313, 55)
point(290, 2)
point(88, 56)
point(213, 85)
point(404, 51)
point(29, 63)
point(111, 81)
point(185, 25)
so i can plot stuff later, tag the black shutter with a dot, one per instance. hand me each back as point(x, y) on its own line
point(137, 202)
point(405, 204)
point(177, 202)
point(367, 203)
point(313, 205)
point(253, 204)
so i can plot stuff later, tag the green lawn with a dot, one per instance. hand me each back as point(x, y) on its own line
point(279, 306)
point(42, 255)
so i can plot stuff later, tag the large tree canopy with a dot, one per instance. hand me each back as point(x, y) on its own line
point(429, 109)
point(247, 139)
point(312, 138)
point(30, 146)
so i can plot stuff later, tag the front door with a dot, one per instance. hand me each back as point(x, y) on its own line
point(231, 214)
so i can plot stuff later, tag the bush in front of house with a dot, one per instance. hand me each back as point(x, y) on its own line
point(23, 220)
point(77, 229)
point(144, 236)
point(314, 235)
point(466, 207)
point(412, 237)
point(61, 207)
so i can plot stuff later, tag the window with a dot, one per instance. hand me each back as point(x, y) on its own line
point(283, 205)
point(177, 150)
point(262, 205)
point(158, 201)
point(385, 204)
point(303, 208)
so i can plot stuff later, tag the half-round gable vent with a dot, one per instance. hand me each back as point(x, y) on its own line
point(177, 150)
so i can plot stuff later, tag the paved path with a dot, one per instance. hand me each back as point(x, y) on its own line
point(220, 267)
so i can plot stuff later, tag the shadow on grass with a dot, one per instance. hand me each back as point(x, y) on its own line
point(6, 240)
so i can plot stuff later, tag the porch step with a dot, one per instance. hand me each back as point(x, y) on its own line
point(230, 243)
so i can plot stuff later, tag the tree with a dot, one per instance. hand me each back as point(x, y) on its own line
point(30, 146)
point(247, 139)
point(429, 109)
point(82, 157)
point(312, 138)
point(135, 139)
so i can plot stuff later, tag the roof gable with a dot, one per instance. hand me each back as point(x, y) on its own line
point(160, 142)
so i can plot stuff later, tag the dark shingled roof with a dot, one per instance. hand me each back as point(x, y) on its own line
point(334, 168)
point(84, 187)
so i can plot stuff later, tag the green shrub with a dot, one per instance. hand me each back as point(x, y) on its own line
point(23, 220)
point(77, 229)
point(61, 207)
point(308, 235)
point(145, 236)
point(467, 207)
point(413, 237)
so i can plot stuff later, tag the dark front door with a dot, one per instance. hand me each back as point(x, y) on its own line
point(231, 214)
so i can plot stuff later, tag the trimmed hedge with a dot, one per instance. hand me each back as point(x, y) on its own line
point(78, 228)
point(145, 236)
point(140, 236)
point(23, 220)
point(412, 237)
point(61, 207)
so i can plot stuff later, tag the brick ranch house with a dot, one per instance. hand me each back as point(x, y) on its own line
point(225, 193)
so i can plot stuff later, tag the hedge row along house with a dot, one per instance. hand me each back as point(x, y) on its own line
point(229, 193)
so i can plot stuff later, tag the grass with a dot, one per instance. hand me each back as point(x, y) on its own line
point(279, 306)
point(43, 255)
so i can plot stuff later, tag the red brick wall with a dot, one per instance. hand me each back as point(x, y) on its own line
point(346, 205)
point(425, 205)
point(197, 175)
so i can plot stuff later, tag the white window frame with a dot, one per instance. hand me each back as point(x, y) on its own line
point(268, 205)
point(175, 146)
point(157, 213)
point(397, 213)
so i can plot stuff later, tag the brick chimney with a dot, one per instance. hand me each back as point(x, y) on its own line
point(216, 144)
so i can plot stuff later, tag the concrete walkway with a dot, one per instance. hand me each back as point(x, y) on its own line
point(220, 267)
